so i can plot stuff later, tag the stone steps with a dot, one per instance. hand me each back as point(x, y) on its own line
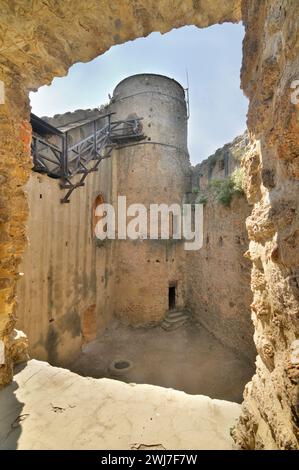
point(175, 319)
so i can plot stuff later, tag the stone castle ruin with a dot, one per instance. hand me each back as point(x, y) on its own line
point(221, 321)
point(82, 284)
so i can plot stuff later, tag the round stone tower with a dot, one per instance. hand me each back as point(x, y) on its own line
point(149, 274)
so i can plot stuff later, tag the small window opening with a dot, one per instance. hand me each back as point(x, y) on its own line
point(171, 297)
point(221, 165)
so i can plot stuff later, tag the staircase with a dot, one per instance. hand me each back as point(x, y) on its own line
point(64, 162)
point(175, 319)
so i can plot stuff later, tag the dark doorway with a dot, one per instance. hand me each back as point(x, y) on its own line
point(171, 297)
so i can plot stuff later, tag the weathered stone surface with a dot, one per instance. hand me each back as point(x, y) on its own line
point(42, 39)
point(270, 64)
point(51, 408)
point(14, 168)
point(218, 275)
point(19, 347)
point(61, 296)
point(221, 164)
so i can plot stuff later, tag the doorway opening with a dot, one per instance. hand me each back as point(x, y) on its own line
point(172, 297)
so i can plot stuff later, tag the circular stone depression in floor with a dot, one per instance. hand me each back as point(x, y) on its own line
point(120, 367)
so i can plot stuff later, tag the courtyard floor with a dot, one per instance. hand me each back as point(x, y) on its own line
point(188, 359)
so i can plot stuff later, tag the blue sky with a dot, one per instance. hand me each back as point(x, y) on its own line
point(212, 57)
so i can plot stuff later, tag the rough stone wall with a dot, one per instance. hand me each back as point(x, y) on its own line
point(63, 294)
point(271, 62)
point(146, 268)
point(221, 164)
point(218, 275)
point(82, 32)
point(155, 171)
point(14, 167)
point(72, 118)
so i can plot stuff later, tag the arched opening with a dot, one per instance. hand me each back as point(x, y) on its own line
point(99, 200)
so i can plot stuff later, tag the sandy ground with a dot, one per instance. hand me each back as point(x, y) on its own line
point(188, 359)
point(52, 408)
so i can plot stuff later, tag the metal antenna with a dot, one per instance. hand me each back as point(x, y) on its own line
point(187, 78)
point(187, 95)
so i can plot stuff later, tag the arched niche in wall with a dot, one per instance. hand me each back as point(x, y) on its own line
point(95, 218)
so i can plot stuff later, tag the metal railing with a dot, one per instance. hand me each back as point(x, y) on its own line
point(64, 161)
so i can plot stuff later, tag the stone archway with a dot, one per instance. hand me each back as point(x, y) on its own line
point(41, 40)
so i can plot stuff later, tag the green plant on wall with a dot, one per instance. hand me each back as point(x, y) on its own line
point(238, 178)
point(201, 199)
point(224, 190)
